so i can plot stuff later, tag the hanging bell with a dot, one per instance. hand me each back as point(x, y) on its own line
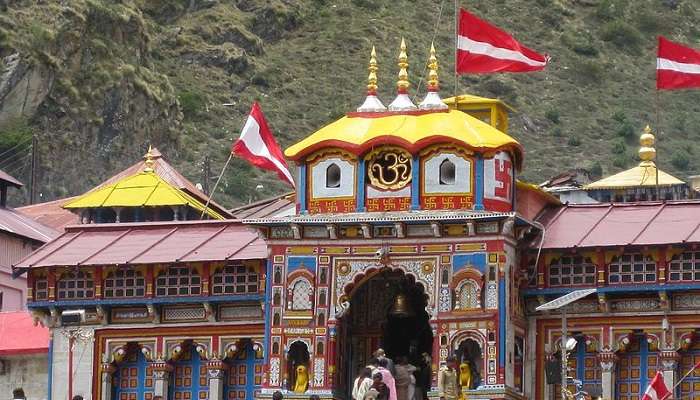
point(401, 308)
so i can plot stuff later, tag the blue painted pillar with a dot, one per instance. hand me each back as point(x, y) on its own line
point(268, 309)
point(301, 190)
point(360, 199)
point(644, 358)
point(502, 305)
point(479, 183)
point(415, 184)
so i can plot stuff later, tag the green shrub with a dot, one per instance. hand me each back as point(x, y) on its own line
point(620, 161)
point(191, 103)
point(15, 134)
point(626, 130)
point(574, 141)
point(596, 170)
point(621, 34)
point(587, 72)
point(619, 116)
point(552, 115)
point(609, 9)
point(581, 43)
point(619, 147)
point(556, 132)
point(680, 160)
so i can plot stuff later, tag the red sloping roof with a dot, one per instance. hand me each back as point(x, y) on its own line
point(266, 208)
point(156, 242)
point(18, 335)
point(608, 225)
point(51, 213)
point(16, 223)
point(9, 179)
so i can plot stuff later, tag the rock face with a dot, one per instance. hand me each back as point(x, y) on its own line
point(23, 87)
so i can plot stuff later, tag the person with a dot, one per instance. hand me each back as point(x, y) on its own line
point(301, 382)
point(362, 384)
point(277, 395)
point(378, 385)
point(448, 387)
point(424, 377)
point(465, 375)
point(372, 364)
point(380, 354)
point(387, 378)
point(405, 381)
point(371, 394)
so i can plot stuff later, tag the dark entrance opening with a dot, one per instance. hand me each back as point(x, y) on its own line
point(387, 310)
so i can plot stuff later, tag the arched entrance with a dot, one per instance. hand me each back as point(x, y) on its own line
point(387, 310)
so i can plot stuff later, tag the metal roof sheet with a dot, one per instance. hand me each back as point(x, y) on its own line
point(621, 224)
point(51, 213)
point(19, 335)
point(9, 179)
point(157, 242)
point(380, 217)
point(14, 222)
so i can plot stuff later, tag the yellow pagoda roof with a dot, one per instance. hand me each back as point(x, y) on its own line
point(143, 189)
point(358, 132)
point(471, 99)
point(643, 175)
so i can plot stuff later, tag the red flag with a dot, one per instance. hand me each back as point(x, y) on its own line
point(657, 389)
point(257, 145)
point(677, 66)
point(483, 48)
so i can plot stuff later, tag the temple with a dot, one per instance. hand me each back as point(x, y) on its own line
point(409, 231)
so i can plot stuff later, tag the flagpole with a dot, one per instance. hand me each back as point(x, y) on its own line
point(456, 88)
point(679, 382)
point(658, 135)
point(213, 191)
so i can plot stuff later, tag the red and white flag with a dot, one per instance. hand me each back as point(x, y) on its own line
point(257, 145)
point(677, 66)
point(657, 389)
point(483, 48)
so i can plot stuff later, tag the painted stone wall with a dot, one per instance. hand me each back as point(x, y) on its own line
point(28, 372)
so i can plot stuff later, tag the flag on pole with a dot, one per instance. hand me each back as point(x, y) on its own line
point(257, 145)
point(483, 48)
point(657, 389)
point(677, 66)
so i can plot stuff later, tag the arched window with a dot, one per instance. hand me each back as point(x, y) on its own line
point(179, 281)
point(333, 176)
point(685, 267)
point(319, 348)
point(468, 295)
point(447, 172)
point(302, 293)
point(322, 298)
point(41, 289)
point(235, 279)
point(125, 283)
point(76, 285)
point(321, 320)
point(632, 268)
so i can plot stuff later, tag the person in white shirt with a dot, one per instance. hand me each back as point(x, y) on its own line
point(362, 384)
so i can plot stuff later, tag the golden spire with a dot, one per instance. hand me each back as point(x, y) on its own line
point(149, 160)
point(433, 67)
point(372, 78)
point(403, 82)
point(647, 152)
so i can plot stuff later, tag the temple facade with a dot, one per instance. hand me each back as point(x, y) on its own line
point(409, 231)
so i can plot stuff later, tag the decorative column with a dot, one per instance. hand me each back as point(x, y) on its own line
point(331, 351)
point(106, 369)
point(608, 360)
point(669, 366)
point(216, 372)
point(161, 378)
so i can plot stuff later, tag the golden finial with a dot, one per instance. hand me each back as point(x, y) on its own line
point(433, 66)
point(403, 83)
point(647, 152)
point(149, 160)
point(372, 78)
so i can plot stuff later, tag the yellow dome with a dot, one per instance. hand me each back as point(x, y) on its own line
point(358, 132)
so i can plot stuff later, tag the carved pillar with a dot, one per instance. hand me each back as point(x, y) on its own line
point(216, 372)
point(161, 378)
point(331, 360)
point(106, 370)
point(608, 360)
point(669, 366)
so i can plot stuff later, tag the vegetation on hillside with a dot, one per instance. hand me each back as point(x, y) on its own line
point(182, 74)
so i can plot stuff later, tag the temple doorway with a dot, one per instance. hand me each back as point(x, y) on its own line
point(387, 310)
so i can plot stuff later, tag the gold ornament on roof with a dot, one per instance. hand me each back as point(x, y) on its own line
point(372, 78)
point(389, 168)
point(433, 67)
point(647, 152)
point(149, 160)
point(403, 82)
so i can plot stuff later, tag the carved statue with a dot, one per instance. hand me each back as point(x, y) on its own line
point(465, 375)
point(301, 381)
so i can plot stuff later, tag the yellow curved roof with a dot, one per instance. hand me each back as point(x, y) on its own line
point(144, 189)
point(357, 132)
point(643, 175)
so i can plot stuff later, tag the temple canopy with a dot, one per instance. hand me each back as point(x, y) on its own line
point(414, 130)
point(639, 176)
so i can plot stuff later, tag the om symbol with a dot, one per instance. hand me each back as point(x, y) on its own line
point(390, 169)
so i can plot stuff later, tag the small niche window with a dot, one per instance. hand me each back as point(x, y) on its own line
point(125, 283)
point(179, 281)
point(333, 176)
point(76, 285)
point(447, 172)
point(235, 279)
point(41, 289)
